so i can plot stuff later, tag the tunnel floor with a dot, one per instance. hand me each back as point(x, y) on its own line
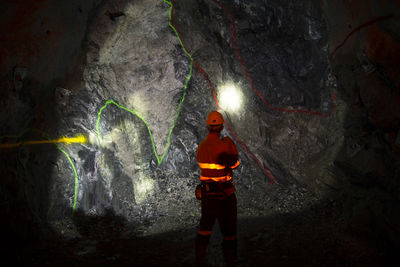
point(316, 237)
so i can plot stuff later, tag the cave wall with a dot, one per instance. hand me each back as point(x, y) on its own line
point(364, 55)
point(61, 64)
point(42, 48)
point(289, 89)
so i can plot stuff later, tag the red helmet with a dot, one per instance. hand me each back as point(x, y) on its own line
point(215, 118)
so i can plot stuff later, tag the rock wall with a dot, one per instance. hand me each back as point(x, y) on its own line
point(288, 94)
point(364, 45)
point(42, 51)
point(136, 78)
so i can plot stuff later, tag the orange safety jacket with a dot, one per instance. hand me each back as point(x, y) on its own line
point(217, 157)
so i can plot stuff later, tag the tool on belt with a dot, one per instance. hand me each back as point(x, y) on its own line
point(218, 189)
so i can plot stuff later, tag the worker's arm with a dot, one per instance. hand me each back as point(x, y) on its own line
point(231, 158)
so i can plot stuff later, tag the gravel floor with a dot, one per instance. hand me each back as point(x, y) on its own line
point(314, 237)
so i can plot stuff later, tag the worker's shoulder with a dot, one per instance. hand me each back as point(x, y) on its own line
point(202, 143)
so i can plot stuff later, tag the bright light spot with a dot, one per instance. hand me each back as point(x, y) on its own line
point(106, 140)
point(93, 139)
point(143, 187)
point(230, 97)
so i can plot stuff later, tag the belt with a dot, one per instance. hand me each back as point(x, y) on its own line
point(218, 188)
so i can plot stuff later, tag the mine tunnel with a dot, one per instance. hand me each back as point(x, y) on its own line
point(103, 105)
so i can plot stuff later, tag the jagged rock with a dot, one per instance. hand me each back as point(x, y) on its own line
point(120, 72)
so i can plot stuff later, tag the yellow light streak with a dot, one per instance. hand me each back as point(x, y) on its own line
point(67, 140)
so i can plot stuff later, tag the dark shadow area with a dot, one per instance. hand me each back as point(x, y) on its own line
point(24, 195)
point(315, 237)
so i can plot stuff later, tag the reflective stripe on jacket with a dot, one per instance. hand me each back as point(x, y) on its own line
point(216, 158)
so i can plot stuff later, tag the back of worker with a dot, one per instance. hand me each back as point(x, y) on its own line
point(217, 157)
point(221, 152)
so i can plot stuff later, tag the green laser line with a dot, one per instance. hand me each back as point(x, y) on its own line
point(76, 176)
point(45, 135)
point(72, 165)
point(159, 159)
point(131, 111)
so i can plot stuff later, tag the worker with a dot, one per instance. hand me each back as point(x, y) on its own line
point(217, 157)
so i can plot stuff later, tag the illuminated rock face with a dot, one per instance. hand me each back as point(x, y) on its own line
point(139, 64)
point(282, 67)
point(137, 60)
point(131, 55)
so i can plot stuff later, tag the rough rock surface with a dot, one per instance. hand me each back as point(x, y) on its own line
point(368, 163)
point(337, 175)
point(145, 69)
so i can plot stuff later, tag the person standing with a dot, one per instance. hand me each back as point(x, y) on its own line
point(217, 157)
